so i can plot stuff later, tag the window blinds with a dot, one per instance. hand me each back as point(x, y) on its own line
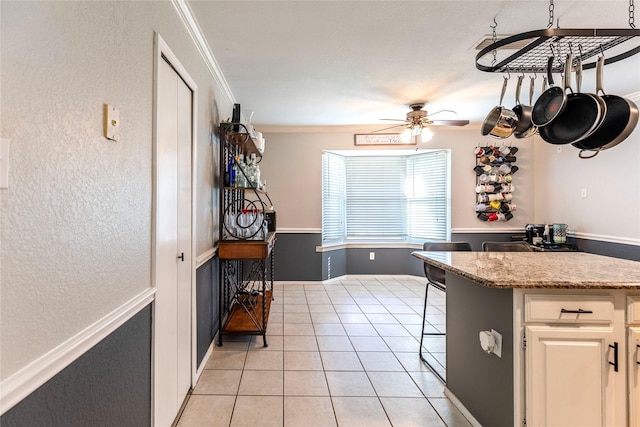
point(385, 198)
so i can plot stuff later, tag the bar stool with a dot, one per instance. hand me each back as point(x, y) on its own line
point(435, 278)
point(519, 246)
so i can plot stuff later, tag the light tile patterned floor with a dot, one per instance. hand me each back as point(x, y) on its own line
point(342, 353)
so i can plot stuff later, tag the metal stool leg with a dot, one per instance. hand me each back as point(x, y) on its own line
point(422, 335)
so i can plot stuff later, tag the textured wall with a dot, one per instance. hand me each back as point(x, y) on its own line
point(76, 219)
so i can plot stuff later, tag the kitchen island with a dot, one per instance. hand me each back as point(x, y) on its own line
point(570, 326)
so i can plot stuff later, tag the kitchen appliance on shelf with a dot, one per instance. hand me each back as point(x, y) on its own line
point(546, 234)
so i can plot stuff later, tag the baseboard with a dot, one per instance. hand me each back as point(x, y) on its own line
point(205, 359)
point(348, 277)
point(456, 402)
point(25, 381)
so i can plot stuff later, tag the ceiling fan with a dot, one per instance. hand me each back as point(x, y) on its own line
point(417, 121)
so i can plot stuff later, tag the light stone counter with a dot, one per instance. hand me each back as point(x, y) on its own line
point(556, 270)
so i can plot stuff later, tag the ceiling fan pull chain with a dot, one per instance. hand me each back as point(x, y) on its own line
point(551, 8)
point(631, 13)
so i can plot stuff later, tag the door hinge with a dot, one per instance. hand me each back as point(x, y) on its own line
point(524, 341)
point(524, 422)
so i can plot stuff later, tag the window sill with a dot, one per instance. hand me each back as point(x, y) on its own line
point(369, 245)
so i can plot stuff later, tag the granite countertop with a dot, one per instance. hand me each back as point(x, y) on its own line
point(569, 270)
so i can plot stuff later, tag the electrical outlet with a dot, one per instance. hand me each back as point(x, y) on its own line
point(372, 256)
point(497, 336)
point(583, 193)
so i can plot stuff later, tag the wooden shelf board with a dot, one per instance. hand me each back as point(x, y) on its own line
point(246, 249)
point(240, 322)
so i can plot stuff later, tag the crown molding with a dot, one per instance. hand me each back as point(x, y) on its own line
point(200, 41)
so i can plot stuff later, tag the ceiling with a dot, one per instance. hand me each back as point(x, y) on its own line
point(346, 63)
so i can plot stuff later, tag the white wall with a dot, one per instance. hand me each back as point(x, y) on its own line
point(76, 219)
point(292, 168)
point(611, 211)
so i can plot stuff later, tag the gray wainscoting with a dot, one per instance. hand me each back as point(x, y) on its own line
point(296, 257)
point(207, 296)
point(617, 250)
point(110, 385)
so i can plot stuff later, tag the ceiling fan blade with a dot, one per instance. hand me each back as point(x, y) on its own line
point(391, 127)
point(442, 111)
point(448, 122)
point(395, 120)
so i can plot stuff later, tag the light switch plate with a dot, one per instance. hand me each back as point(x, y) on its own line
point(4, 163)
point(111, 122)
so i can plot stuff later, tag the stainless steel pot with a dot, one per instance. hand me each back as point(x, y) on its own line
point(501, 121)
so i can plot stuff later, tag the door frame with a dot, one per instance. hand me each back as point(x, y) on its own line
point(162, 52)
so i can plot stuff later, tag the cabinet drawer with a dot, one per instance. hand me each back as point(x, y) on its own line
point(568, 308)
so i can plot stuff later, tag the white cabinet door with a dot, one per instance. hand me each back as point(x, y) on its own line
point(633, 357)
point(569, 381)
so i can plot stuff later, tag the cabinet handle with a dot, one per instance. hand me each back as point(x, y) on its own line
point(615, 356)
point(637, 347)
point(578, 311)
point(181, 256)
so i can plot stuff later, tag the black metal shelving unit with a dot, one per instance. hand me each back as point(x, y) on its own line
point(246, 257)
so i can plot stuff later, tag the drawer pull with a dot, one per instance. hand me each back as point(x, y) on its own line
point(615, 356)
point(578, 311)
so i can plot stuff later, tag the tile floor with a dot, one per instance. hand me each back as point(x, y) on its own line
point(341, 353)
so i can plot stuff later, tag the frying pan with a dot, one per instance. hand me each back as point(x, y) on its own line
point(501, 121)
point(552, 101)
point(525, 127)
point(581, 115)
point(617, 125)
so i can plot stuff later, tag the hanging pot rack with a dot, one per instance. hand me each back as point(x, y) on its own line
point(539, 45)
point(533, 57)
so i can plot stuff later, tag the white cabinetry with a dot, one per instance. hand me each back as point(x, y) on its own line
point(569, 381)
point(571, 361)
point(633, 359)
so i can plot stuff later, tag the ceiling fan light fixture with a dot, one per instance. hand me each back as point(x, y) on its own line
point(405, 136)
point(427, 134)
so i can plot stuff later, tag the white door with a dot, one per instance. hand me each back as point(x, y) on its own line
point(569, 381)
point(172, 315)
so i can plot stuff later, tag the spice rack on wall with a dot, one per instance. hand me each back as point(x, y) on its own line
point(494, 171)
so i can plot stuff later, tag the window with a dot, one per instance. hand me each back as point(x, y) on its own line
point(385, 197)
